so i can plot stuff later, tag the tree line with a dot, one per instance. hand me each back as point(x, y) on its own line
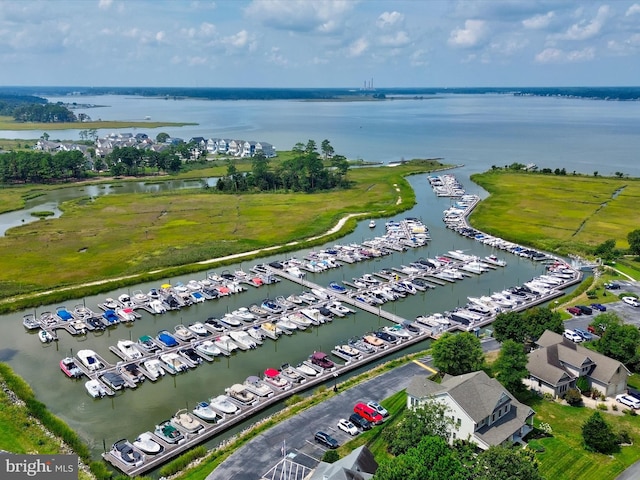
point(307, 171)
point(29, 108)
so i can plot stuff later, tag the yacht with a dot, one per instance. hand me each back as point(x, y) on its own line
point(208, 348)
point(204, 412)
point(223, 404)
point(154, 367)
point(242, 339)
point(129, 349)
point(258, 387)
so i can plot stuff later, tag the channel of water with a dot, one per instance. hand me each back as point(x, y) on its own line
point(101, 422)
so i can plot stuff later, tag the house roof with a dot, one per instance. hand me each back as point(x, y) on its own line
point(507, 425)
point(358, 465)
point(560, 351)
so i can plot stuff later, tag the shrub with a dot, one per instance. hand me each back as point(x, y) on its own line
point(183, 460)
point(602, 406)
point(598, 435)
point(614, 407)
point(624, 437)
point(582, 384)
point(573, 397)
point(548, 396)
point(545, 428)
point(330, 456)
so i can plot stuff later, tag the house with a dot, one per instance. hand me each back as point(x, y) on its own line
point(485, 413)
point(235, 148)
point(266, 148)
point(557, 363)
point(358, 465)
point(248, 149)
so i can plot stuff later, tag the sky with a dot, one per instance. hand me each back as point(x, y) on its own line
point(320, 43)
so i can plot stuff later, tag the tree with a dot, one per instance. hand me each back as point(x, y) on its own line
point(511, 366)
point(162, 137)
point(606, 250)
point(509, 326)
point(528, 326)
point(573, 397)
point(327, 149)
point(633, 238)
point(330, 456)
point(457, 354)
point(429, 419)
point(618, 340)
point(506, 463)
point(598, 435)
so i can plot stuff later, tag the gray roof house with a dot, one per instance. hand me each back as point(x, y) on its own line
point(358, 465)
point(558, 362)
point(484, 411)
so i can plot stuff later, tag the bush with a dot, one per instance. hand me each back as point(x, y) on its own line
point(602, 406)
point(535, 446)
point(548, 396)
point(624, 437)
point(573, 397)
point(582, 384)
point(598, 435)
point(330, 456)
point(182, 461)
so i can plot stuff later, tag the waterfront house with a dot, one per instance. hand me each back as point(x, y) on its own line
point(557, 363)
point(358, 465)
point(484, 412)
point(266, 148)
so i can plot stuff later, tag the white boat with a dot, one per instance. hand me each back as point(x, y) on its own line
point(257, 334)
point(295, 299)
point(95, 388)
point(183, 333)
point(154, 367)
point(320, 293)
point(314, 315)
point(146, 444)
point(129, 349)
point(270, 330)
point(125, 300)
point(244, 314)
point(225, 343)
point(372, 224)
point(174, 363)
point(126, 314)
point(223, 404)
point(230, 320)
point(347, 350)
point(258, 387)
point(204, 412)
point(242, 338)
point(299, 319)
point(306, 370)
point(186, 422)
point(398, 331)
point(284, 303)
point(199, 329)
point(286, 324)
point(208, 348)
point(139, 298)
point(194, 285)
point(45, 336)
point(241, 394)
point(157, 306)
point(292, 374)
point(338, 308)
point(89, 359)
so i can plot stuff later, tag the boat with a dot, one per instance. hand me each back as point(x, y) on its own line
point(69, 368)
point(291, 373)
point(111, 304)
point(147, 344)
point(45, 336)
point(286, 325)
point(314, 315)
point(223, 404)
point(139, 298)
point(348, 350)
point(125, 300)
point(361, 345)
point(308, 297)
point(111, 317)
point(146, 444)
point(204, 412)
point(240, 394)
point(271, 306)
point(199, 329)
point(295, 299)
point(183, 333)
point(90, 360)
point(373, 340)
point(126, 314)
point(208, 348)
point(197, 297)
point(299, 319)
point(320, 294)
point(124, 451)
point(191, 355)
point(174, 363)
point(270, 330)
point(63, 314)
point(258, 310)
point(225, 343)
point(113, 380)
point(167, 339)
point(167, 432)
point(284, 303)
point(306, 370)
point(230, 319)
point(242, 339)
point(273, 378)
point(154, 367)
point(157, 306)
point(337, 308)
point(372, 224)
point(257, 334)
point(185, 421)
point(214, 324)
point(397, 331)
point(30, 321)
point(243, 314)
point(132, 372)
point(129, 349)
point(336, 287)
point(258, 387)
point(322, 360)
point(95, 388)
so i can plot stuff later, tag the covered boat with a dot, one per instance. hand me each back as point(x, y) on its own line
point(258, 386)
point(273, 377)
point(146, 444)
point(241, 394)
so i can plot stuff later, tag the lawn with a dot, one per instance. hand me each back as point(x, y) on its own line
point(557, 213)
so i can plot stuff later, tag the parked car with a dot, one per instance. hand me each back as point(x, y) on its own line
point(368, 413)
point(360, 422)
point(599, 306)
point(597, 329)
point(347, 427)
point(628, 400)
point(585, 310)
point(612, 286)
point(326, 440)
point(631, 301)
point(574, 311)
point(586, 336)
point(378, 408)
point(571, 335)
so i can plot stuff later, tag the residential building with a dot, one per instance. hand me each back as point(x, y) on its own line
point(484, 412)
point(557, 363)
point(358, 465)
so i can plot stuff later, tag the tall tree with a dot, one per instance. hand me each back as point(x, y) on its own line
point(528, 326)
point(511, 366)
point(327, 149)
point(457, 354)
point(618, 340)
point(506, 463)
point(598, 435)
point(633, 238)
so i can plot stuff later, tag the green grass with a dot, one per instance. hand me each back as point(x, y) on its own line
point(8, 123)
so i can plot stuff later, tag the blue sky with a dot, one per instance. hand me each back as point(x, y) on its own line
point(319, 43)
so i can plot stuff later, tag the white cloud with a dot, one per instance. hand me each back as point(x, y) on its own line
point(584, 30)
point(241, 39)
point(104, 4)
point(627, 46)
point(160, 36)
point(417, 58)
point(323, 16)
point(196, 61)
point(276, 57)
point(471, 35)
point(509, 46)
point(633, 10)
point(358, 47)
point(388, 19)
point(398, 40)
point(538, 22)
point(556, 55)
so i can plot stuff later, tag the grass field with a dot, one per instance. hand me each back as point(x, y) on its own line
point(557, 213)
point(8, 123)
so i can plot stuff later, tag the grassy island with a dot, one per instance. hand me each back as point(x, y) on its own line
point(8, 123)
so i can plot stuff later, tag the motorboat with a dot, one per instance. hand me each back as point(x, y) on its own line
point(271, 306)
point(129, 349)
point(369, 279)
point(199, 329)
point(132, 372)
point(208, 348)
point(30, 321)
point(113, 380)
point(434, 320)
point(360, 344)
point(230, 319)
point(146, 444)
point(239, 393)
point(256, 333)
point(373, 340)
point(372, 224)
point(183, 333)
point(69, 368)
point(124, 451)
point(214, 324)
point(306, 370)
point(295, 299)
point(243, 314)
point(204, 412)
point(154, 367)
point(95, 388)
point(322, 360)
point(336, 287)
point(242, 339)
point(258, 310)
point(78, 326)
point(258, 386)
point(286, 325)
point(301, 321)
point(191, 355)
point(411, 327)
point(197, 297)
point(125, 300)
point(126, 314)
point(398, 331)
point(153, 294)
point(270, 330)
point(284, 303)
point(291, 373)
point(111, 317)
point(308, 297)
point(223, 404)
point(185, 421)
point(174, 363)
point(147, 344)
point(139, 297)
point(225, 343)
point(167, 432)
point(63, 314)
point(111, 304)
point(45, 336)
point(157, 306)
point(320, 293)
point(314, 315)
point(273, 378)
point(348, 350)
point(167, 339)
point(90, 360)
point(338, 309)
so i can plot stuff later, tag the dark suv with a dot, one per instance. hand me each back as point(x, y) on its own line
point(326, 440)
point(361, 423)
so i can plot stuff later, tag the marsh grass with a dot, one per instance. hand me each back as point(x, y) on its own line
point(8, 123)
